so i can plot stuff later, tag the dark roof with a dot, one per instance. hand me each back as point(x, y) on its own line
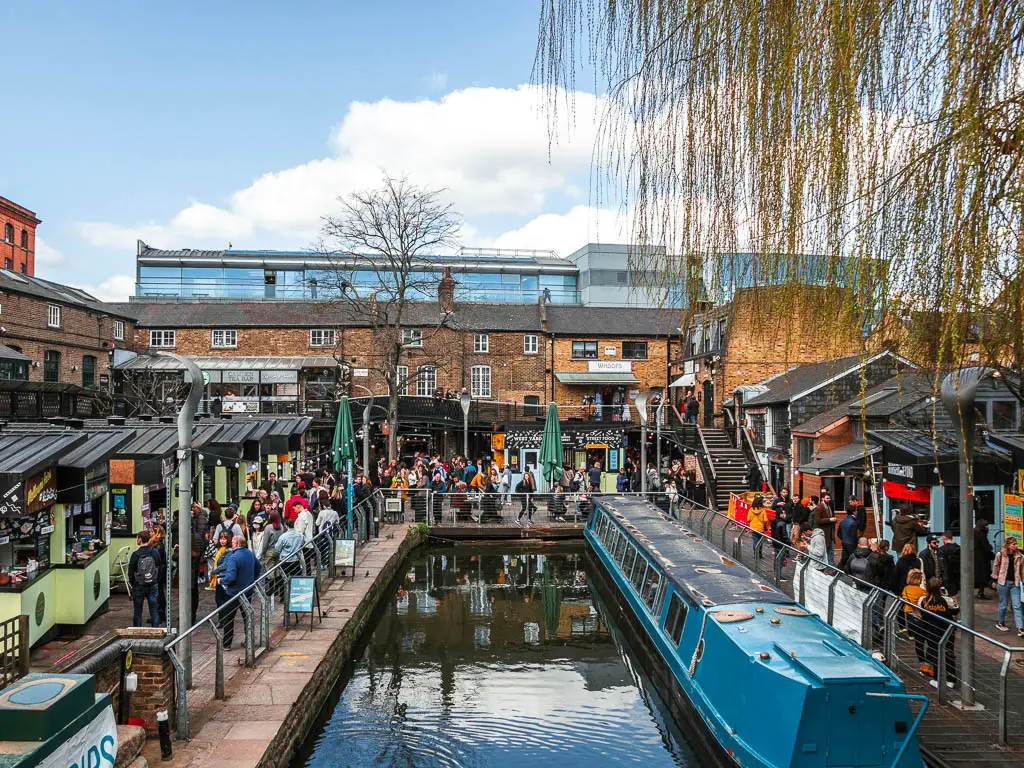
point(889, 397)
point(98, 447)
point(923, 444)
point(611, 321)
point(784, 386)
point(1011, 440)
point(850, 455)
point(23, 453)
point(263, 313)
point(285, 426)
point(6, 353)
point(680, 554)
point(15, 282)
point(151, 440)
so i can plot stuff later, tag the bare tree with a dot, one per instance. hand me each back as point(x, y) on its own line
point(377, 248)
point(146, 392)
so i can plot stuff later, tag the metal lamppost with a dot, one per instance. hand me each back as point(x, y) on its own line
point(657, 427)
point(641, 407)
point(186, 420)
point(366, 435)
point(958, 392)
point(466, 401)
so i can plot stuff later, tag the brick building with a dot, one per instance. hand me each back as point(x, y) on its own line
point(56, 342)
point(17, 237)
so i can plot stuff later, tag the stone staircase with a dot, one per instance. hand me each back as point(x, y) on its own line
point(730, 465)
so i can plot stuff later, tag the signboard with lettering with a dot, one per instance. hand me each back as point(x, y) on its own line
point(302, 598)
point(241, 377)
point(279, 377)
point(95, 744)
point(612, 437)
point(610, 366)
point(41, 490)
point(345, 553)
point(1013, 517)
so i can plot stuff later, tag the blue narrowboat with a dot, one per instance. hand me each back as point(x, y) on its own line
point(757, 678)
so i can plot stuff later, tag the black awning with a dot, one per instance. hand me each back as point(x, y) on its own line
point(851, 457)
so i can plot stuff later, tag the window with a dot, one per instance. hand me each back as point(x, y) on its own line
point(530, 344)
point(629, 561)
point(637, 576)
point(652, 580)
point(634, 350)
point(403, 379)
point(24, 239)
point(321, 337)
point(531, 406)
point(426, 380)
point(8, 263)
point(53, 316)
point(804, 450)
point(1004, 414)
point(412, 337)
point(481, 343)
point(675, 619)
point(8, 233)
point(224, 339)
point(51, 366)
point(480, 381)
point(119, 330)
point(162, 339)
point(88, 371)
point(584, 350)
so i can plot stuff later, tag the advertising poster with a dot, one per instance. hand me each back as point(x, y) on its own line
point(300, 594)
point(121, 510)
point(1013, 522)
point(345, 553)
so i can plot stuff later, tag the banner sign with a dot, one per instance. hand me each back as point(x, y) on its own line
point(120, 508)
point(300, 594)
point(345, 553)
point(95, 745)
point(613, 437)
point(1013, 519)
point(36, 493)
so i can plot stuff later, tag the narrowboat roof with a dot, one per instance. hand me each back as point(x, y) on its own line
point(706, 573)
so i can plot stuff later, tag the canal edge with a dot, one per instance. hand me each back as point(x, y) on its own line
point(307, 706)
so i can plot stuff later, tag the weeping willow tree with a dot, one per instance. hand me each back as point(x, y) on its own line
point(871, 145)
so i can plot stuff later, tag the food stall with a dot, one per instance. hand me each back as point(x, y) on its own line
point(28, 493)
point(80, 545)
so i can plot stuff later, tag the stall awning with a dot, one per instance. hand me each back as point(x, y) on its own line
point(844, 457)
point(906, 493)
point(6, 353)
point(686, 380)
point(574, 378)
point(160, 363)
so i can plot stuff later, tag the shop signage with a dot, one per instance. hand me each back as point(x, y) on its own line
point(41, 490)
point(279, 377)
point(95, 745)
point(241, 377)
point(531, 438)
point(360, 373)
point(243, 407)
point(121, 510)
point(1020, 481)
point(11, 498)
point(498, 441)
point(96, 484)
point(610, 351)
point(900, 470)
point(211, 377)
point(610, 366)
point(1013, 517)
point(168, 466)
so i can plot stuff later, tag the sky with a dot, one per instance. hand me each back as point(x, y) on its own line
point(198, 124)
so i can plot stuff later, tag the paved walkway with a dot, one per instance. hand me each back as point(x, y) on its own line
point(235, 733)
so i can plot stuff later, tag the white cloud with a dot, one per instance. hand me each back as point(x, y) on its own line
point(490, 147)
point(564, 233)
point(46, 253)
point(116, 288)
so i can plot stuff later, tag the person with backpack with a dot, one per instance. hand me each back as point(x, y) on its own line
point(939, 611)
point(144, 573)
point(862, 563)
point(848, 539)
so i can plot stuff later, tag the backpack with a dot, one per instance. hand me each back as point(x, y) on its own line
point(146, 571)
point(860, 567)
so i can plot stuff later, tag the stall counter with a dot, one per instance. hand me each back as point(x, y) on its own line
point(34, 598)
point(82, 589)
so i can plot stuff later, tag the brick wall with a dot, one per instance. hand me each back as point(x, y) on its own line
point(14, 255)
point(155, 691)
point(81, 332)
point(653, 371)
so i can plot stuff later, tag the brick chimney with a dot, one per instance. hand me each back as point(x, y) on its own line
point(446, 292)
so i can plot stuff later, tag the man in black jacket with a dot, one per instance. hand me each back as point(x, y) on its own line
point(144, 575)
point(949, 562)
point(783, 508)
point(930, 559)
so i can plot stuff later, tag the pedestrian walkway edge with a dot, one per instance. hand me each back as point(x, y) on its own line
point(304, 710)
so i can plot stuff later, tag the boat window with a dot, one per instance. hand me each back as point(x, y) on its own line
point(618, 547)
point(638, 573)
point(600, 525)
point(628, 561)
point(624, 555)
point(675, 618)
point(651, 583)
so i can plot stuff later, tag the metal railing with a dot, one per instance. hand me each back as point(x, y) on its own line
point(470, 508)
point(258, 604)
point(922, 649)
point(14, 649)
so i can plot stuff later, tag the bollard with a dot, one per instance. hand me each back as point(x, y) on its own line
point(164, 726)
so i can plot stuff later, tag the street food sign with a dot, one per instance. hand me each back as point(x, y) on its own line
point(24, 497)
point(1013, 519)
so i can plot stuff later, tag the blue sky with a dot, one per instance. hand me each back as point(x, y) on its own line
point(202, 123)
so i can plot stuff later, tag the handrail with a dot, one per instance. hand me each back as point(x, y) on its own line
point(704, 446)
point(825, 564)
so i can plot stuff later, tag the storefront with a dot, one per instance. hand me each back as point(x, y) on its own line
point(28, 493)
point(582, 445)
point(844, 472)
point(603, 393)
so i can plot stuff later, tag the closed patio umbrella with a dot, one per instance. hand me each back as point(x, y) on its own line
point(343, 449)
point(551, 446)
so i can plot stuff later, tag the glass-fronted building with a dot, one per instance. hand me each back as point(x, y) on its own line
point(497, 276)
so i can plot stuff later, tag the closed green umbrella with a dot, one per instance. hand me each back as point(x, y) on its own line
point(551, 446)
point(343, 449)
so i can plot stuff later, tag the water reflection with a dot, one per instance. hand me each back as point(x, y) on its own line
point(490, 657)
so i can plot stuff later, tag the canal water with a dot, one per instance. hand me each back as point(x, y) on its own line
point(494, 657)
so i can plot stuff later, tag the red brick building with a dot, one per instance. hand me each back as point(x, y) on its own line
point(17, 237)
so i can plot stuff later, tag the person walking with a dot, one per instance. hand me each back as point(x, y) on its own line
point(937, 615)
point(237, 574)
point(305, 524)
point(885, 568)
point(782, 506)
point(847, 539)
point(912, 593)
point(594, 476)
point(200, 538)
point(757, 520)
point(825, 520)
point(949, 561)
point(144, 573)
point(983, 555)
point(1007, 575)
point(524, 489)
point(289, 549)
point(930, 563)
point(506, 485)
point(298, 499)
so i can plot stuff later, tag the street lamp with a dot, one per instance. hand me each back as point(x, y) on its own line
point(465, 401)
point(958, 392)
point(657, 427)
point(641, 407)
